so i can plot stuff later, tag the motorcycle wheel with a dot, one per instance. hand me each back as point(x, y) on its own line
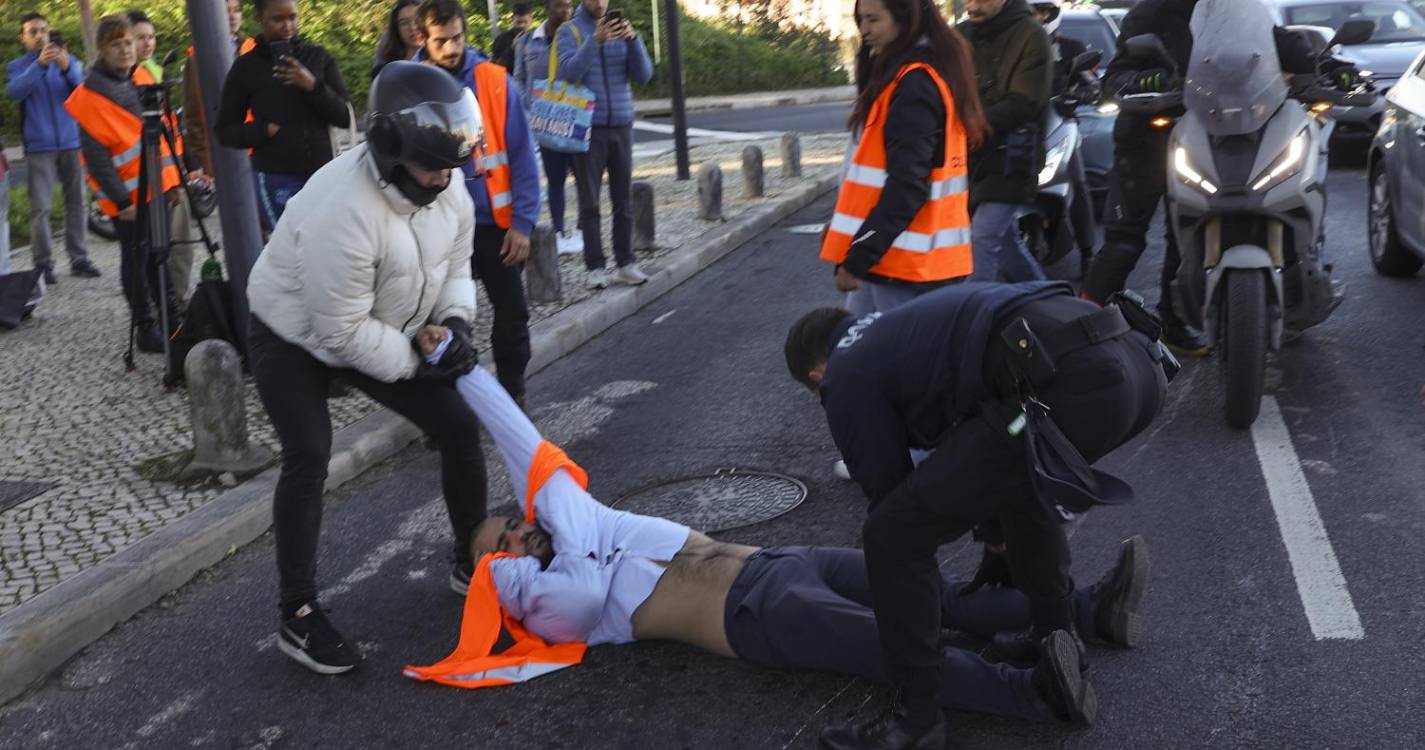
point(1245, 353)
point(100, 224)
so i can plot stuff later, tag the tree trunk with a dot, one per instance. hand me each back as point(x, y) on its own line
point(86, 25)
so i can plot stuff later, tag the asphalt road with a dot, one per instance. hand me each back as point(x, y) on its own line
point(696, 382)
point(810, 118)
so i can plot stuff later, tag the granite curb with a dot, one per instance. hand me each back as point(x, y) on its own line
point(43, 633)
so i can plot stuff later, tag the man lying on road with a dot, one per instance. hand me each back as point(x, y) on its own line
point(587, 573)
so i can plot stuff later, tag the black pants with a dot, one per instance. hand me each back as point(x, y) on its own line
point(609, 149)
point(138, 275)
point(293, 385)
point(1102, 396)
point(1136, 186)
point(504, 287)
point(810, 608)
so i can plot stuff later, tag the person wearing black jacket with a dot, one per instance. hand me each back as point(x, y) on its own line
point(938, 373)
point(1015, 68)
point(294, 92)
point(1138, 180)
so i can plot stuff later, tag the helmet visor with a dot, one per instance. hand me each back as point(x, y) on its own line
point(440, 135)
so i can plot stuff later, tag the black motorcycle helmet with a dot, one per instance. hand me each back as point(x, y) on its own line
point(419, 115)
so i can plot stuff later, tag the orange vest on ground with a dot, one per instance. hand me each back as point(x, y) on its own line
point(472, 665)
point(142, 77)
point(120, 131)
point(491, 87)
point(936, 245)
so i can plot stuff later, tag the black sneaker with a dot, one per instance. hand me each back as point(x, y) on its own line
point(1059, 681)
point(309, 638)
point(460, 578)
point(84, 269)
point(50, 277)
point(891, 730)
point(1186, 340)
point(148, 339)
point(1117, 595)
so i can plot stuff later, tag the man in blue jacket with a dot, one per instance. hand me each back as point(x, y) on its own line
point(603, 52)
point(40, 80)
point(504, 186)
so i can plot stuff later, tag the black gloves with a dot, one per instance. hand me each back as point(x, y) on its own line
point(459, 358)
point(993, 571)
point(1152, 81)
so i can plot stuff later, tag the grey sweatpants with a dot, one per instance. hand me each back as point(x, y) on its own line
point(43, 171)
point(810, 608)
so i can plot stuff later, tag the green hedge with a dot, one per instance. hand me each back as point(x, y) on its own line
point(718, 59)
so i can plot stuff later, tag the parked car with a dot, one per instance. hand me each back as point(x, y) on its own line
point(1396, 166)
point(1099, 34)
point(1399, 37)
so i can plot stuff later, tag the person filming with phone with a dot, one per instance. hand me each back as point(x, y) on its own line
point(295, 93)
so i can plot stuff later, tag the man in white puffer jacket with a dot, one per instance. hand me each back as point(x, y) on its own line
point(373, 252)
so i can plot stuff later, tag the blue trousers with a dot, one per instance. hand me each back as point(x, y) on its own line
point(275, 189)
point(997, 247)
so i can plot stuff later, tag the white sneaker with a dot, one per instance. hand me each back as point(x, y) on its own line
point(598, 279)
point(840, 470)
point(569, 243)
point(630, 274)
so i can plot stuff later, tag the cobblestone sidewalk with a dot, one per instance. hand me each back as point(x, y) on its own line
point(75, 428)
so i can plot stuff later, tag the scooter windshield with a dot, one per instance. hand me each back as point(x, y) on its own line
point(1234, 80)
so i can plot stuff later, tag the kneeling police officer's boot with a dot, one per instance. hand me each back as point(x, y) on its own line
point(1059, 681)
point(1023, 649)
point(893, 730)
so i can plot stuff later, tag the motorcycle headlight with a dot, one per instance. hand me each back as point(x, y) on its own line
point(1108, 108)
point(1287, 163)
point(1052, 160)
point(1185, 171)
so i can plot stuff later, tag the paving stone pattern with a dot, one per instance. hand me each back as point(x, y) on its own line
point(70, 416)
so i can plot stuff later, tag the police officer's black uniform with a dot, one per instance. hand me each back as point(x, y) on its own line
point(1139, 177)
point(942, 373)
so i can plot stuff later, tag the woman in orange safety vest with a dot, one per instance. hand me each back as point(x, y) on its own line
point(902, 224)
point(111, 135)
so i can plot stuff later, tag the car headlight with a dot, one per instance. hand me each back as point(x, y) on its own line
point(1185, 172)
point(1287, 163)
point(1108, 108)
point(1052, 160)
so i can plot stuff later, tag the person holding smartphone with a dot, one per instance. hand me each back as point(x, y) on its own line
point(295, 93)
point(600, 49)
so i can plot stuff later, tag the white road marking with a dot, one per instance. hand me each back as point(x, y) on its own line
point(663, 317)
point(1319, 581)
point(177, 708)
point(722, 135)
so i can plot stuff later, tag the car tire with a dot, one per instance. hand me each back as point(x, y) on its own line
point(1389, 256)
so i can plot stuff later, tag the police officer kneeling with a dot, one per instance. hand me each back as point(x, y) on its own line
point(1017, 388)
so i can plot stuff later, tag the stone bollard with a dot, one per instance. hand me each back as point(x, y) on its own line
point(710, 191)
point(644, 225)
point(542, 270)
point(754, 183)
point(216, 403)
point(791, 155)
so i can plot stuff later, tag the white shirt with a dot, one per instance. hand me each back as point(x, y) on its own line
point(606, 561)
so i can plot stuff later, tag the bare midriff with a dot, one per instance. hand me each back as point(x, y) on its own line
point(687, 604)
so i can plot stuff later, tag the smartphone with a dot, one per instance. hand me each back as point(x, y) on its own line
point(56, 38)
point(613, 16)
point(280, 50)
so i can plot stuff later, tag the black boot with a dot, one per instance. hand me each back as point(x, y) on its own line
point(891, 730)
point(1186, 340)
point(1048, 614)
point(148, 339)
point(1059, 681)
point(1117, 595)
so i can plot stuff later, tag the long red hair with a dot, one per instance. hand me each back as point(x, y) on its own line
point(922, 28)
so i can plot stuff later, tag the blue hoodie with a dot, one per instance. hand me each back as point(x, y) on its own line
point(41, 91)
point(607, 68)
point(519, 144)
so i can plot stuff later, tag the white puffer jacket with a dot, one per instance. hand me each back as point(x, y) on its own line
point(354, 269)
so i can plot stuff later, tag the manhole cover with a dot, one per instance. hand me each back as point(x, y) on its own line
point(14, 493)
point(728, 499)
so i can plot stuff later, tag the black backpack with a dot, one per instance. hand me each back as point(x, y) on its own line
point(209, 316)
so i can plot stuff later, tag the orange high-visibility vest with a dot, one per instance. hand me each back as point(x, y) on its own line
point(491, 91)
point(120, 131)
point(142, 77)
point(472, 665)
point(936, 245)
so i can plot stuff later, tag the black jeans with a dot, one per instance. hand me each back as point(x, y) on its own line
point(504, 286)
point(609, 149)
point(1102, 396)
point(1136, 186)
point(293, 385)
point(810, 608)
point(138, 275)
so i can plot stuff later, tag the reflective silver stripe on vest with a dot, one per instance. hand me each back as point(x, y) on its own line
point(499, 159)
point(845, 224)
point(520, 673)
point(132, 183)
point(500, 200)
point(948, 187)
point(915, 242)
point(864, 175)
point(130, 154)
